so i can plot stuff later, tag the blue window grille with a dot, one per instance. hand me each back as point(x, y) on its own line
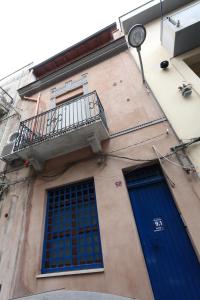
point(72, 238)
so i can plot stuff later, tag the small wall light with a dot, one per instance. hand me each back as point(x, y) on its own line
point(164, 64)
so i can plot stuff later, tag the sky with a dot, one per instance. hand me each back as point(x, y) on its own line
point(34, 30)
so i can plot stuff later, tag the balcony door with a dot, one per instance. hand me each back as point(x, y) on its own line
point(71, 107)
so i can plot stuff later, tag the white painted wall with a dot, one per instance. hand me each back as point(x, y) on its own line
point(183, 113)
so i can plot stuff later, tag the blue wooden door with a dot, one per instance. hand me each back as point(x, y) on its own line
point(172, 264)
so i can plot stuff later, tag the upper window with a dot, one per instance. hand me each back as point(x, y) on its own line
point(72, 238)
point(69, 95)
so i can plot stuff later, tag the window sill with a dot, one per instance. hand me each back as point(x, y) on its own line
point(78, 272)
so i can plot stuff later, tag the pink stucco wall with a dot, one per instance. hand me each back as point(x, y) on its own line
point(127, 104)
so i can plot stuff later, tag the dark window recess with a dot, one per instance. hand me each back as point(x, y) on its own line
point(72, 238)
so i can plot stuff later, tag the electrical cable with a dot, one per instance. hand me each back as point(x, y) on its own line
point(129, 158)
point(176, 164)
point(13, 170)
point(69, 165)
point(57, 174)
point(186, 144)
point(196, 140)
point(8, 183)
point(151, 160)
point(171, 182)
point(139, 143)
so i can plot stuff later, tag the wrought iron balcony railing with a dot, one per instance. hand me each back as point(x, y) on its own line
point(71, 115)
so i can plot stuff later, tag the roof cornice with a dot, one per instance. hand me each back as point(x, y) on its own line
point(109, 28)
point(85, 62)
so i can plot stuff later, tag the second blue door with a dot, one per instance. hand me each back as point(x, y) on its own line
point(172, 264)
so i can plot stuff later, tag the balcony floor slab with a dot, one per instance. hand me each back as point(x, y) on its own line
point(65, 143)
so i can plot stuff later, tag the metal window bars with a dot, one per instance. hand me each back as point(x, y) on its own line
point(72, 238)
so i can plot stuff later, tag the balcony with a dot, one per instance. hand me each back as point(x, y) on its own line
point(70, 126)
point(148, 12)
point(181, 30)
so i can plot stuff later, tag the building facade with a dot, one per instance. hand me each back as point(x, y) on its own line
point(173, 36)
point(91, 146)
point(11, 114)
